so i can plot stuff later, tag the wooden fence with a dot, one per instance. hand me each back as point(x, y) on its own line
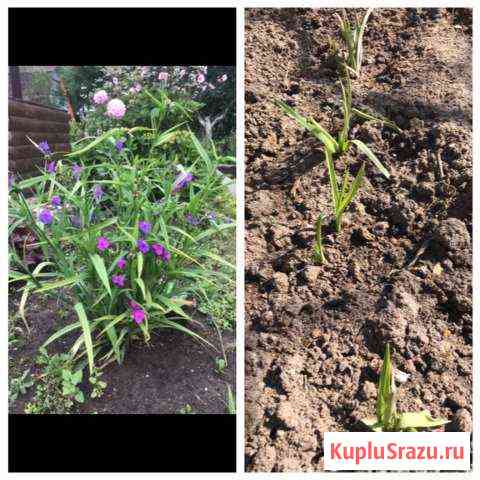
point(39, 123)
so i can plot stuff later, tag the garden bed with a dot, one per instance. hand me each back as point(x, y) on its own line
point(399, 271)
point(172, 374)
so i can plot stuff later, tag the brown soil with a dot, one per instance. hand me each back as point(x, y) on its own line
point(399, 271)
point(160, 378)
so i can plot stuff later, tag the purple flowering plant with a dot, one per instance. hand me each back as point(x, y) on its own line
point(114, 234)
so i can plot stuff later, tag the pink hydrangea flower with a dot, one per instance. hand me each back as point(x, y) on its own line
point(116, 108)
point(200, 78)
point(163, 76)
point(100, 97)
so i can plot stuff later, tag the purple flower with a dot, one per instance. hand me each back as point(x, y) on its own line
point(191, 219)
point(118, 280)
point(138, 316)
point(121, 263)
point(56, 202)
point(102, 243)
point(51, 167)
point(11, 179)
point(160, 251)
point(76, 171)
point(115, 80)
point(97, 193)
point(119, 145)
point(44, 147)
point(134, 305)
point(46, 216)
point(212, 216)
point(145, 227)
point(143, 246)
point(182, 180)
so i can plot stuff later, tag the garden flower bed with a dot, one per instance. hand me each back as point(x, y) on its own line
point(122, 253)
point(398, 271)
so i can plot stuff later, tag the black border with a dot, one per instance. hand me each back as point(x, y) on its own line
point(122, 443)
point(122, 36)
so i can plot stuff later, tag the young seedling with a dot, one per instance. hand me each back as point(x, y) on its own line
point(352, 35)
point(387, 418)
point(319, 255)
point(342, 192)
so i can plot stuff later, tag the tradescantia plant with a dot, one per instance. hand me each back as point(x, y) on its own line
point(116, 232)
point(343, 191)
point(352, 35)
point(388, 419)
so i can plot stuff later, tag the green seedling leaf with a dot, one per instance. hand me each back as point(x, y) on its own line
point(333, 178)
point(371, 118)
point(415, 420)
point(371, 156)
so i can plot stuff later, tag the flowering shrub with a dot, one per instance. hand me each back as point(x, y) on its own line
point(111, 219)
point(194, 87)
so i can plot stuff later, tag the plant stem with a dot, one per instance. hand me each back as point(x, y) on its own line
point(318, 237)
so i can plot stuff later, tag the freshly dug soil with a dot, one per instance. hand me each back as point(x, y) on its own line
point(163, 377)
point(399, 271)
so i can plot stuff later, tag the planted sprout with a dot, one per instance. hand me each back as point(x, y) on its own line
point(352, 35)
point(342, 193)
point(387, 418)
point(319, 255)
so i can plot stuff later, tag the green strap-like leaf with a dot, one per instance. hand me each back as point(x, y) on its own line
point(419, 420)
point(96, 142)
point(357, 182)
point(371, 156)
point(333, 179)
point(371, 118)
point(87, 336)
point(99, 265)
point(58, 284)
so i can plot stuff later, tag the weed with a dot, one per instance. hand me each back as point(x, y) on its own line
point(186, 410)
point(220, 365)
point(231, 404)
point(19, 385)
point(98, 386)
point(57, 388)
